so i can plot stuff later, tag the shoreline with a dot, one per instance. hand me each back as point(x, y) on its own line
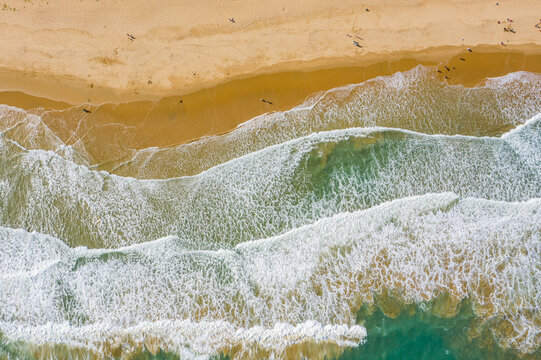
point(18, 87)
point(167, 122)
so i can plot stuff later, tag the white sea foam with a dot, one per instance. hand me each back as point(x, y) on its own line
point(29, 131)
point(221, 277)
point(302, 286)
point(192, 339)
point(263, 193)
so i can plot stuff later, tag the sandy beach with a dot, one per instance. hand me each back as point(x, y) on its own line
point(79, 52)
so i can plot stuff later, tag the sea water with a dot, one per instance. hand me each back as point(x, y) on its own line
point(397, 218)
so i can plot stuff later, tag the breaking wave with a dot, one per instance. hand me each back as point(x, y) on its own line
point(266, 192)
point(314, 279)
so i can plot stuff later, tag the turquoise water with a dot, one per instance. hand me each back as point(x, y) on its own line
point(346, 228)
point(424, 336)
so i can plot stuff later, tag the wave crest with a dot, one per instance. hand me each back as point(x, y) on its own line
point(415, 249)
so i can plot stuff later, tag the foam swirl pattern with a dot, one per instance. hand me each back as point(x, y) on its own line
point(413, 100)
point(264, 193)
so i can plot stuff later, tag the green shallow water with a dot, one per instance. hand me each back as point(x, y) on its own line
point(264, 193)
point(424, 336)
point(484, 251)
